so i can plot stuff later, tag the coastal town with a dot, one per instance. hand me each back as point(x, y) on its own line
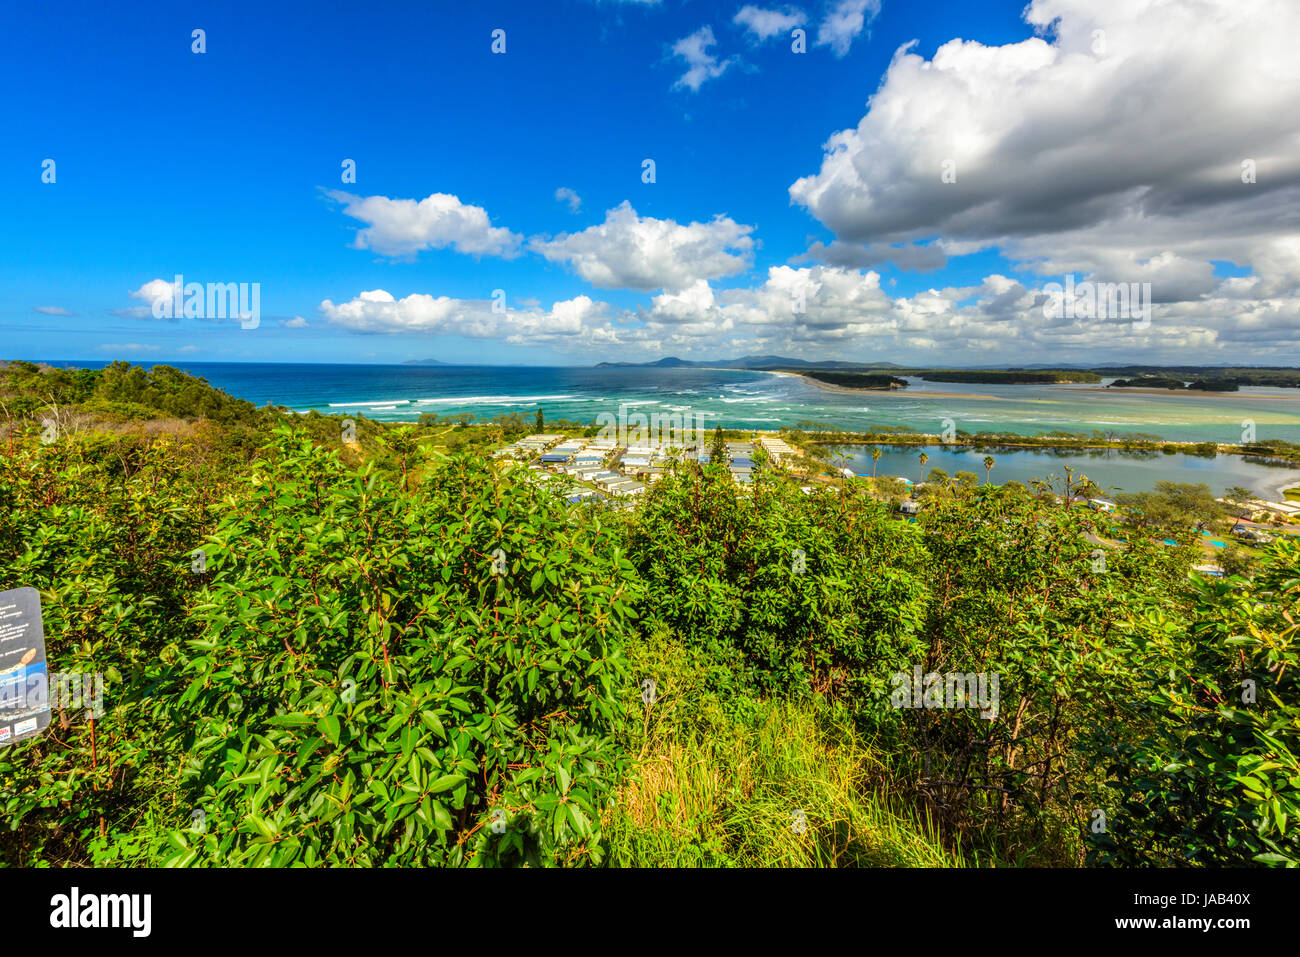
point(599, 470)
point(599, 467)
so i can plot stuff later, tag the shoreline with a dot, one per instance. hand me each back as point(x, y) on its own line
point(1273, 489)
point(849, 390)
point(1072, 387)
point(1278, 489)
point(1197, 393)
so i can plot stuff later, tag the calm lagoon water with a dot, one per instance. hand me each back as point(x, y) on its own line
point(1111, 469)
point(761, 400)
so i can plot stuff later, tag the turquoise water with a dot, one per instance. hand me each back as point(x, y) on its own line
point(759, 400)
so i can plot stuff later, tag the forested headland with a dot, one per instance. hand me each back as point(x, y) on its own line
point(856, 380)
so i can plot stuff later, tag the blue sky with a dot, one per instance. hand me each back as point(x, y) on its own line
point(225, 166)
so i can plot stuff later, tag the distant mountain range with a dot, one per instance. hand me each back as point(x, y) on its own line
point(784, 362)
point(748, 362)
point(1244, 374)
point(744, 362)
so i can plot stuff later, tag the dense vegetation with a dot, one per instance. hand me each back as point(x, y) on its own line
point(858, 380)
point(1210, 378)
point(1148, 382)
point(393, 651)
point(1008, 376)
point(1278, 377)
point(806, 432)
point(1164, 382)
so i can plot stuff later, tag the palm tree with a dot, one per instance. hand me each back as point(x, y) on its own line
point(924, 458)
point(875, 457)
point(988, 469)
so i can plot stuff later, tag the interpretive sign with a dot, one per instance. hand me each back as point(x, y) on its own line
point(24, 681)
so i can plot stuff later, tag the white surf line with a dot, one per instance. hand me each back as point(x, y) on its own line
point(499, 399)
point(358, 405)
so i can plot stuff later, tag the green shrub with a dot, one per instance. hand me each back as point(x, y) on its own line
point(789, 592)
point(1023, 592)
point(367, 691)
point(1215, 780)
point(349, 681)
point(102, 529)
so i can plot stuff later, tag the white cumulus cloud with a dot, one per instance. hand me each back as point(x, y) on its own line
point(628, 251)
point(1111, 144)
point(155, 290)
point(378, 311)
point(404, 227)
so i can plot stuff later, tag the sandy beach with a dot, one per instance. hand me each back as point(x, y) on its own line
point(1276, 488)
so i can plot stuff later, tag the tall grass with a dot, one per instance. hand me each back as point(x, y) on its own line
point(724, 780)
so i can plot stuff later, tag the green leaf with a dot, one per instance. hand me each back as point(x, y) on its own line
point(433, 723)
point(446, 783)
point(328, 726)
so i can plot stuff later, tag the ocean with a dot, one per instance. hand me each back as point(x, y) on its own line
point(759, 400)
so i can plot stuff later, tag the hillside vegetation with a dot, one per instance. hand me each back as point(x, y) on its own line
point(857, 380)
point(390, 650)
